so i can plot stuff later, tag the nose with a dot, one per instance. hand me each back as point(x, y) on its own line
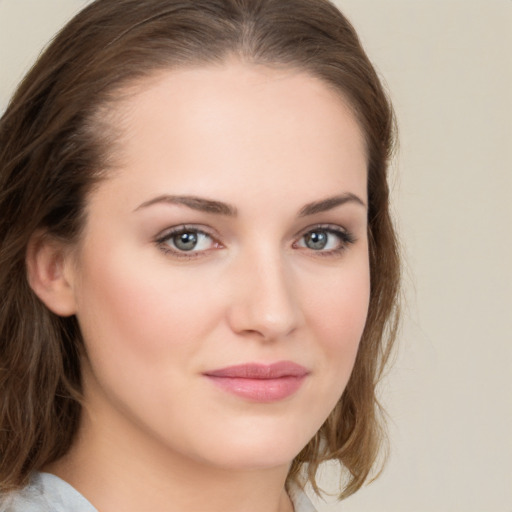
point(264, 301)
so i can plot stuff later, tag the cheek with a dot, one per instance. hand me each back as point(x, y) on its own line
point(337, 312)
point(137, 318)
point(143, 337)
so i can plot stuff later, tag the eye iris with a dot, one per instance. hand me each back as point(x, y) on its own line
point(316, 240)
point(185, 241)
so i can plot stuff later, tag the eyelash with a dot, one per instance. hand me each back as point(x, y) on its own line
point(345, 240)
point(162, 241)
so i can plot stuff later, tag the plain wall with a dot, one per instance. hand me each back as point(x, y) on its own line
point(448, 66)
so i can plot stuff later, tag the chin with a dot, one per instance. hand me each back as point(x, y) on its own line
point(256, 447)
point(252, 459)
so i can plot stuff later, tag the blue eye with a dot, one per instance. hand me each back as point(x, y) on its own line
point(184, 239)
point(326, 239)
point(316, 240)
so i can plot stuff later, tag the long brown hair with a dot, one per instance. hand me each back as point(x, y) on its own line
point(55, 145)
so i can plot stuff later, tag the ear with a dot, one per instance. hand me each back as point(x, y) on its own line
point(49, 273)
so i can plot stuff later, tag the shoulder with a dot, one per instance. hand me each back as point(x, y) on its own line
point(301, 502)
point(48, 493)
point(45, 493)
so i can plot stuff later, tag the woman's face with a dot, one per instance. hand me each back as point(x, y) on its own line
point(222, 280)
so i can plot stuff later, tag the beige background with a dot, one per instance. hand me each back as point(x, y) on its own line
point(448, 65)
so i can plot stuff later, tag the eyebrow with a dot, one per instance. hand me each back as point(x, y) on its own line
point(196, 203)
point(220, 208)
point(330, 203)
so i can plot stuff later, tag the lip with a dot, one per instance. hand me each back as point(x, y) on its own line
point(260, 382)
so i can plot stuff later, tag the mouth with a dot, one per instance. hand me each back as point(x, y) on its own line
point(260, 382)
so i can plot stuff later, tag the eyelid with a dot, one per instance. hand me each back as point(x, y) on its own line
point(346, 238)
point(335, 228)
point(179, 228)
point(166, 234)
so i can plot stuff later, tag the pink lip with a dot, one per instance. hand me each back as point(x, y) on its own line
point(260, 382)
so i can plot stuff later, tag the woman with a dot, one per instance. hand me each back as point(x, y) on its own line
point(198, 268)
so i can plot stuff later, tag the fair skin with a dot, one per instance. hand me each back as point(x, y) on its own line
point(273, 274)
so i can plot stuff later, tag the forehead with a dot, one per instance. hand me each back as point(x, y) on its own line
point(201, 128)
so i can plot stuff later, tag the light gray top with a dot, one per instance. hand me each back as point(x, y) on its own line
point(49, 493)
